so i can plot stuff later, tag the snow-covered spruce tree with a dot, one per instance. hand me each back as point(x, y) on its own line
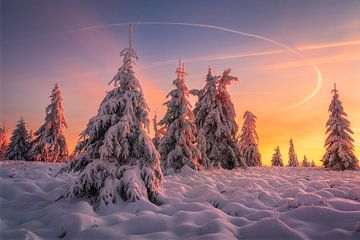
point(305, 162)
point(227, 127)
point(276, 159)
point(3, 141)
point(215, 119)
point(116, 158)
point(206, 111)
point(49, 144)
point(19, 143)
point(339, 144)
point(158, 132)
point(178, 145)
point(248, 140)
point(312, 164)
point(293, 160)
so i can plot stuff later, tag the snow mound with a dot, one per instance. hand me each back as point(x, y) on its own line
point(309, 199)
point(355, 193)
point(257, 203)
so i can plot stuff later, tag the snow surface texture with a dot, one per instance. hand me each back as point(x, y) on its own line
point(260, 202)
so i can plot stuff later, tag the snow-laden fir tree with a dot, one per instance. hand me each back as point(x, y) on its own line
point(49, 144)
point(312, 164)
point(158, 132)
point(206, 111)
point(226, 125)
point(19, 143)
point(116, 158)
point(178, 145)
point(215, 119)
point(293, 160)
point(339, 144)
point(3, 141)
point(305, 162)
point(276, 159)
point(249, 139)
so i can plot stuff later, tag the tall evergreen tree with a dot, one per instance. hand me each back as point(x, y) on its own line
point(227, 126)
point(205, 111)
point(178, 145)
point(3, 141)
point(339, 144)
point(19, 143)
point(49, 144)
point(215, 119)
point(249, 139)
point(276, 159)
point(305, 162)
point(293, 160)
point(116, 158)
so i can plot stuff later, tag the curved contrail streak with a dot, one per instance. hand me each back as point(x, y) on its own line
point(293, 50)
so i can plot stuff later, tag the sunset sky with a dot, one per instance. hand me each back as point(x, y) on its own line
point(77, 44)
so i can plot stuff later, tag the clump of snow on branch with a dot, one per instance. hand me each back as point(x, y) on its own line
point(339, 144)
point(19, 143)
point(293, 160)
point(178, 145)
point(276, 159)
point(249, 139)
point(115, 157)
point(49, 144)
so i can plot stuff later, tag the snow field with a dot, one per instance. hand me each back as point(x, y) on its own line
point(257, 203)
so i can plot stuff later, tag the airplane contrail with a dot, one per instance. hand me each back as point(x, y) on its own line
point(252, 54)
point(293, 50)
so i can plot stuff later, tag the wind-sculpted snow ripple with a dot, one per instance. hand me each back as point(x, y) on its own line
point(261, 203)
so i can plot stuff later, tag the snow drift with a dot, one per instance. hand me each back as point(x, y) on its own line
point(257, 203)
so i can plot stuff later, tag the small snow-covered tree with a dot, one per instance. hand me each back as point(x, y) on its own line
point(158, 132)
point(49, 144)
point(249, 139)
point(305, 162)
point(3, 141)
point(276, 159)
point(339, 144)
point(312, 164)
point(178, 145)
point(19, 143)
point(293, 160)
point(115, 156)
